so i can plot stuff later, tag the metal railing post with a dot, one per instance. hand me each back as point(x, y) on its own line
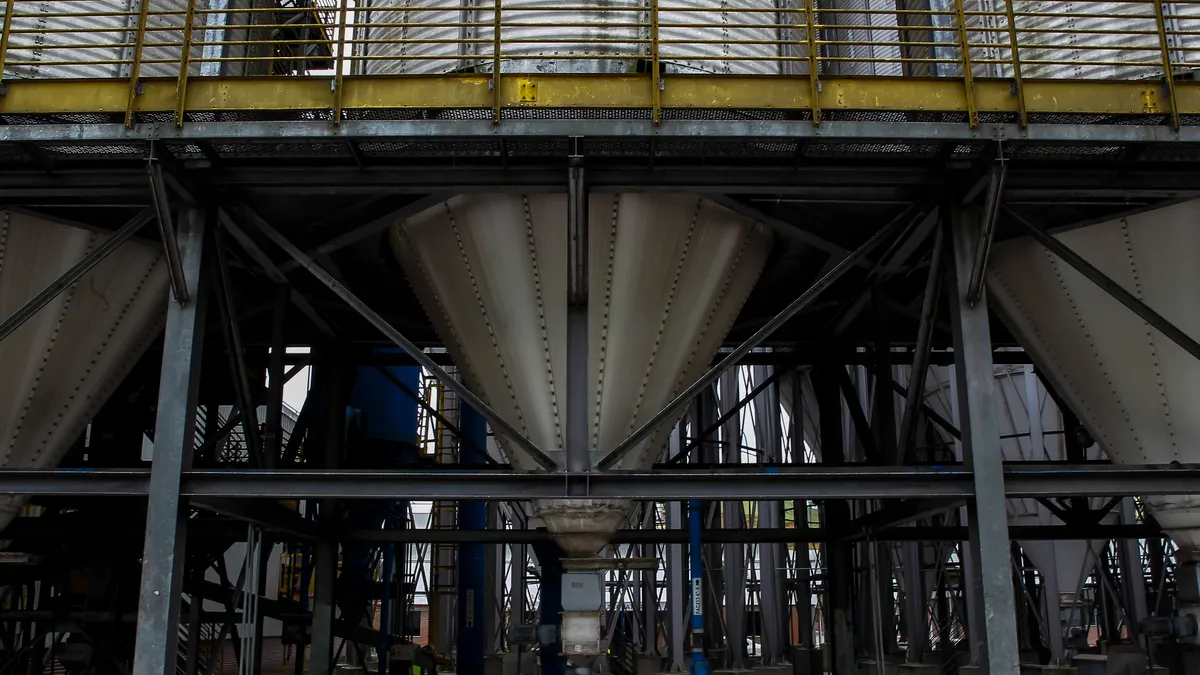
point(185, 63)
point(968, 76)
point(4, 33)
point(136, 67)
point(814, 81)
point(1160, 20)
point(656, 83)
point(1022, 115)
point(339, 64)
point(496, 63)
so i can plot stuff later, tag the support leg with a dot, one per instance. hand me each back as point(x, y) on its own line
point(157, 642)
point(986, 513)
point(333, 428)
point(836, 518)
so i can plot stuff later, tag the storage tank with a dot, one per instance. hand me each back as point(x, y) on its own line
point(738, 37)
point(1133, 389)
point(1072, 39)
point(1031, 430)
point(96, 38)
point(667, 275)
point(62, 364)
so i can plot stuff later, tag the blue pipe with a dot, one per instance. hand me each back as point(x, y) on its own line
point(699, 662)
point(472, 566)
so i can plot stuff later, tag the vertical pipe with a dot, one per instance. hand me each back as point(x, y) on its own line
point(472, 560)
point(699, 662)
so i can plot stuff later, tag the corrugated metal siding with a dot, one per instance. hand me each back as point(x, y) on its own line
point(64, 31)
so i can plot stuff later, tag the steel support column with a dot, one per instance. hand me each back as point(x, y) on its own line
point(155, 651)
point(916, 631)
point(733, 518)
point(986, 513)
point(677, 590)
point(835, 515)
point(334, 394)
point(768, 434)
point(1133, 579)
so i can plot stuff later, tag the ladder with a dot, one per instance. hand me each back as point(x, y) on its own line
point(443, 583)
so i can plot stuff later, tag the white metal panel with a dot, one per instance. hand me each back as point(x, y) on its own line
point(413, 37)
point(868, 42)
point(62, 364)
point(668, 275)
point(1132, 39)
point(1133, 389)
point(604, 36)
point(87, 31)
point(733, 37)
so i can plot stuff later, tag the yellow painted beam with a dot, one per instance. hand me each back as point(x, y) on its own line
point(205, 94)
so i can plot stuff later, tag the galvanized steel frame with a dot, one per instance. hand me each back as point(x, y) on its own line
point(812, 482)
point(760, 131)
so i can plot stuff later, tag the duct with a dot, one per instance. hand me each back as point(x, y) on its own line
point(1132, 388)
point(667, 276)
point(63, 363)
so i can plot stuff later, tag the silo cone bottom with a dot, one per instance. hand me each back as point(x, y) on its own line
point(584, 527)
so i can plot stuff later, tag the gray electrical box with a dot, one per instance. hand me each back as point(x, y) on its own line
point(581, 592)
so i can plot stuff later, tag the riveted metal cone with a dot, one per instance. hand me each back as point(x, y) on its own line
point(1133, 388)
point(668, 274)
point(62, 364)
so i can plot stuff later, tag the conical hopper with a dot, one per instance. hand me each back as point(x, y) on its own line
point(1134, 389)
point(62, 364)
point(667, 276)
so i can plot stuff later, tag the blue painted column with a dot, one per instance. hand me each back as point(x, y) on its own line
point(472, 567)
point(699, 662)
point(549, 557)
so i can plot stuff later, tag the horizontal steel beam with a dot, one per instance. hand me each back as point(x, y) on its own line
point(801, 356)
point(850, 482)
point(27, 532)
point(473, 91)
point(761, 131)
point(750, 535)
